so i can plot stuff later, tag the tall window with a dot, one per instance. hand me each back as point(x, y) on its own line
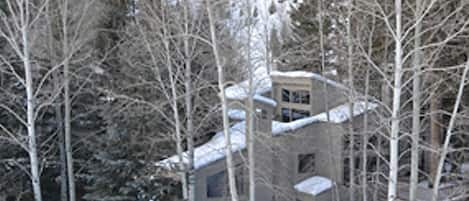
point(306, 163)
point(285, 95)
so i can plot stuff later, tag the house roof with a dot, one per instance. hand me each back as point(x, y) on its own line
point(314, 185)
point(214, 149)
point(262, 83)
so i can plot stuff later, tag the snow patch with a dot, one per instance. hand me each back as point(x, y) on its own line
point(314, 185)
point(265, 100)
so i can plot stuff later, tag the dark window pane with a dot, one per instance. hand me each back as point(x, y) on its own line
point(285, 115)
point(300, 97)
point(306, 163)
point(285, 95)
point(299, 114)
point(296, 96)
point(216, 185)
point(305, 97)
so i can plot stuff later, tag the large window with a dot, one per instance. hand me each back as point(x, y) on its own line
point(300, 96)
point(285, 95)
point(299, 114)
point(306, 163)
point(216, 185)
point(293, 114)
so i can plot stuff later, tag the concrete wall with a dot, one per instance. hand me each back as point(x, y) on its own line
point(318, 99)
point(322, 139)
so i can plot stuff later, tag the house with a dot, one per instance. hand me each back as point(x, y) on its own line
point(298, 147)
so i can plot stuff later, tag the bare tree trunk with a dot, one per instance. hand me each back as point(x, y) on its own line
point(365, 118)
point(435, 135)
point(58, 110)
point(335, 194)
point(449, 133)
point(417, 60)
point(365, 139)
point(385, 98)
point(188, 102)
point(174, 105)
point(394, 138)
point(250, 109)
point(351, 101)
point(221, 81)
point(68, 105)
point(32, 141)
point(62, 154)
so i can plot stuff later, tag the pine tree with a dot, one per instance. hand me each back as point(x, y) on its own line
point(301, 51)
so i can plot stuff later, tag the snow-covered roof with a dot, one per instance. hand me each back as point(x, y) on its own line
point(338, 114)
point(314, 185)
point(306, 74)
point(265, 100)
point(262, 83)
point(213, 150)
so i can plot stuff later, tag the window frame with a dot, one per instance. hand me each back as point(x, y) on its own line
point(303, 167)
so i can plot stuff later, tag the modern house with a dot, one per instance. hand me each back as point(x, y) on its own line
point(301, 120)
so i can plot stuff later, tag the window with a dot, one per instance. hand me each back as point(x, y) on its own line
point(299, 114)
point(301, 97)
point(216, 185)
point(285, 95)
point(285, 115)
point(306, 163)
point(293, 114)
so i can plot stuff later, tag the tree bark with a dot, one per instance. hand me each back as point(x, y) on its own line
point(351, 102)
point(68, 106)
point(435, 135)
point(417, 60)
point(221, 83)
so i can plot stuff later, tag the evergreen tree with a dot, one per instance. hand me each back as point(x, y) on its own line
point(301, 51)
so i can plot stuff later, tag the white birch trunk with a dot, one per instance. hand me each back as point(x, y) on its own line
point(188, 103)
point(449, 133)
point(414, 166)
point(394, 138)
point(335, 194)
point(68, 106)
point(251, 109)
point(221, 81)
point(174, 106)
point(32, 141)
